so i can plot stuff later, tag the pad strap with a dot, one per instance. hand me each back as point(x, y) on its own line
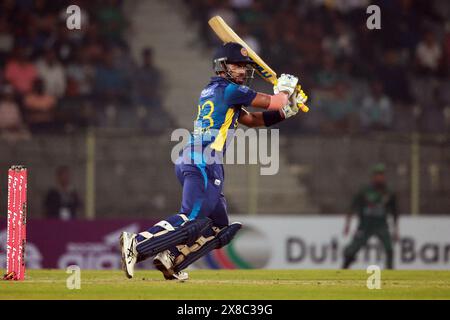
point(166, 226)
point(196, 251)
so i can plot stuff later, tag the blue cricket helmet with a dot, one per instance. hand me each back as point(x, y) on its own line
point(230, 52)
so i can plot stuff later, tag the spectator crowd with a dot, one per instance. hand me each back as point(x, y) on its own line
point(53, 79)
point(395, 78)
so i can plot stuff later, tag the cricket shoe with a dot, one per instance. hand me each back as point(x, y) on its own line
point(180, 275)
point(129, 253)
point(163, 261)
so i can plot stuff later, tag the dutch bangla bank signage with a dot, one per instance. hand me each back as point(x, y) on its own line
point(311, 242)
point(272, 242)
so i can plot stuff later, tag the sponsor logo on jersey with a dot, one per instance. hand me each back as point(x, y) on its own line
point(209, 91)
point(244, 89)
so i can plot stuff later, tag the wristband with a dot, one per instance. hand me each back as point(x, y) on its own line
point(271, 117)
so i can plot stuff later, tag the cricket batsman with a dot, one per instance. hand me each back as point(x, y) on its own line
point(202, 223)
point(373, 204)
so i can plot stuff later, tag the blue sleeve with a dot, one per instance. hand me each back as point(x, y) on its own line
point(238, 95)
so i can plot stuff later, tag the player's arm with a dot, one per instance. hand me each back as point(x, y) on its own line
point(276, 111)
point(279, 106)
point(252, 119)
point(392, 207)
point(283, 90)
point(270, 102)
point(356, 203)
point(348, 221)
point(266, 118)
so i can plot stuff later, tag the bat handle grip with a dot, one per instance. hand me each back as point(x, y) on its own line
point(303, 107)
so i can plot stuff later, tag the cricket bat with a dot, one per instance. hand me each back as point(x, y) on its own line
point(226, 34)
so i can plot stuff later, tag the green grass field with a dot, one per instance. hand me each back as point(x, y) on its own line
point(232, 284)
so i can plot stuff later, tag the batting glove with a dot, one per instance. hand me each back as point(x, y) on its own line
point(286, 83)
point(296, 102)
point(289, 110)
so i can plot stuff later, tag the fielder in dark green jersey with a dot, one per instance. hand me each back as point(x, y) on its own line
point(373, 204)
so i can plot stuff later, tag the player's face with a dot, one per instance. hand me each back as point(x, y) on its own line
point(238, 71)
point(379, 180)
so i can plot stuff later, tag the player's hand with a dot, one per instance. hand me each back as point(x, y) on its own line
point(395, 235)
point(289, 110)
point(296, 102)
point(286, 83)
point(346, 229)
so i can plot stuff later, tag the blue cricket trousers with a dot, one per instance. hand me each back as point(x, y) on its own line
point(202, 192)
